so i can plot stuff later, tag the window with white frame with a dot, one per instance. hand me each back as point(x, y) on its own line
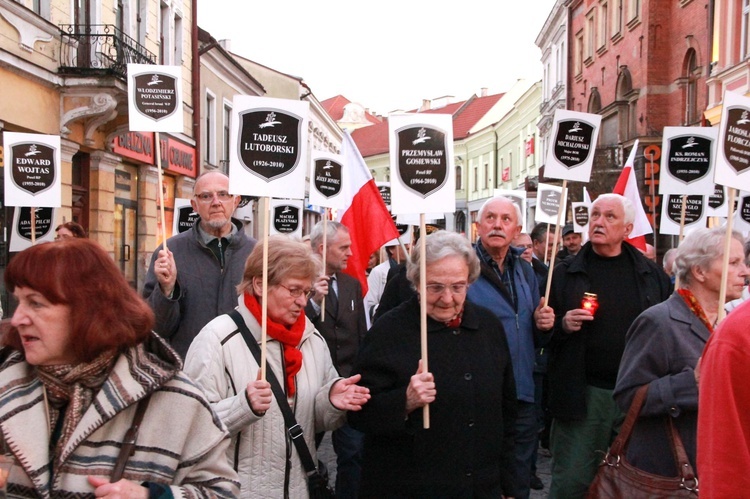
point(634, 12)
point(578, 61)
point(590, 34)
point(617, 16)
point(165, 47)
point(210, 154)
point(227, 134)
point(177, 60)
point(603, 25)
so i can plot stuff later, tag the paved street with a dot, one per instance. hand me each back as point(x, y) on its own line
point(326, 454)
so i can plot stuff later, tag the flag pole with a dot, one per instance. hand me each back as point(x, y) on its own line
point(563, 197)
point(33, 225)
point(682, 232)
point(330, 286)
point(423, 310)
point(265, 202)
point(161, 190)
point(725, 264)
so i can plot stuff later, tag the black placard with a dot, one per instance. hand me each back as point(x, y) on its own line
point(43, 222)
point(693, 208)
point(385, 193)
point(327, 177)
point(422, 159)
point(573, 142)
point(744, 209)
point(269, 142)
point(244, 200)
point(401, 228)
point(737, 139)
point(33, 169)
point(581, 215)
point(717, 199)
point(186, 218)
point(286, 219)
point(689, 158)
point(549, 202)
point(155, 95)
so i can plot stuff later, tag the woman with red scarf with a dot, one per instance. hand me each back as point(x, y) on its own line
point(221, 362)
point(664, 347)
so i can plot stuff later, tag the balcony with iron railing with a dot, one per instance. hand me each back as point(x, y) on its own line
point(99, 49)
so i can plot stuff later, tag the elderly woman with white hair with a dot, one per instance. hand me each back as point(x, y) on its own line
point(664, 347)
point(469, 386)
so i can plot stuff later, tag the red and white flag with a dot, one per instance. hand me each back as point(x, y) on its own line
point(364, 213)
point(628, 187)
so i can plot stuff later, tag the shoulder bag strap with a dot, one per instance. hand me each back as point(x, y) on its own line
point(685, 469)
point(128, 444)
point(618, 445)
point(292, 427)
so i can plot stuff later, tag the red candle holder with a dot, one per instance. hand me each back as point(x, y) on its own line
point(590, 302)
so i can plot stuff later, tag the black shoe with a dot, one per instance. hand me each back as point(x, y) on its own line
point(536, 483)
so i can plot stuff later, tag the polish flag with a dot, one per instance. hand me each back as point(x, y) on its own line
point(365, 215)
point(628, 187)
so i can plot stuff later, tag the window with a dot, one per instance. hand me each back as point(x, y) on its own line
point(164, 46)
point(177, 61)
point(590, 34)
point(691, 88)
point(745, 48)
point(476, 179)
point(486, 176)
point(634, 13)
point(459, 185)
point(227, 134)
point(578, 61)
point(210, 156)
point(617, 19)
point(603, 26)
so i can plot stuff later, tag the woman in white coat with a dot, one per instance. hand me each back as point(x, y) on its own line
point(223, 365)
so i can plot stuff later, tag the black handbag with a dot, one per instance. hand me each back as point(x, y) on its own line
point(616, 478)
point(317, 485)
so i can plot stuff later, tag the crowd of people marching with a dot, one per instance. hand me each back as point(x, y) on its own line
point(221, 378)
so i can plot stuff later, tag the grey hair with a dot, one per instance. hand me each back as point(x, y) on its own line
point(667, 255)
point(438, 245)
point(627, 205)
point(699, 249)
point(519, 215)
point(332, 229)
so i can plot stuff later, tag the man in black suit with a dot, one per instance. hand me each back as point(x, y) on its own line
point(343, 326)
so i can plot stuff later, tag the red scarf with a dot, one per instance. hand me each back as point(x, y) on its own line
point(692, 302)
point(289, 337)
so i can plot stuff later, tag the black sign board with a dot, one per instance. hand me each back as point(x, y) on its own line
point(155, 95)
point(737, 140)
point(186, 218)
point(43, 222)
point(689, 158)
point(385, 193)
point(581, 215)
point(269, 142)
point(718, 197)
point(33, 169)
point(327, 177)
point(549, 202)
point(573, 142)
point(693, 208)
point(244, 200)
point(422, 159)
point(744, 209)
point(286, 219)
point(401, 228)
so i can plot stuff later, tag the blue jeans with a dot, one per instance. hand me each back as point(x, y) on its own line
point(527, 435)
point(348, 444)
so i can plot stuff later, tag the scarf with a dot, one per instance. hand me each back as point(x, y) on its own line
point(695, 307)
point(289, 337)
point(73, 385)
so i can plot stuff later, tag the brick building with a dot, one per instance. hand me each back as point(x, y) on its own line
point(642, 65)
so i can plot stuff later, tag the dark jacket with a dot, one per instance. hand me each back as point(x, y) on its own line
point(567, 366)
point(203, 290)
point(343, 331)
point(468, 449)
point(663, 347)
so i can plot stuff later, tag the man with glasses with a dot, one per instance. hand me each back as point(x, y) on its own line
point(508, 287)
point(195, 280)
point(343, 326)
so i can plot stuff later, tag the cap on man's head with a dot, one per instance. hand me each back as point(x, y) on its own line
point(567, 229)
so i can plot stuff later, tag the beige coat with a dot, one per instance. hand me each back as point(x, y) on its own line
point(222, 364)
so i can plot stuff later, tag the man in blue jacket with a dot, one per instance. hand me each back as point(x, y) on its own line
point(508, 287)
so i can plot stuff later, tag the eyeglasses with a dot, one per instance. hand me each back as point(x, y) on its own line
point(297, 292)
point(207, 197)
point(438, 289)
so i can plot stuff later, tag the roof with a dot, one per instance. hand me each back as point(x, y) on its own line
point(373, 140)
point(335, 108)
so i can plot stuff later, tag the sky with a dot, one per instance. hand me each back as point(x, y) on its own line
point(390, 54)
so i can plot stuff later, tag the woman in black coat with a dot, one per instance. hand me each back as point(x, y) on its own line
point(468, 449)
